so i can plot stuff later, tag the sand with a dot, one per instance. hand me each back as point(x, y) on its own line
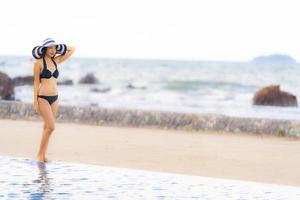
point(240, 156)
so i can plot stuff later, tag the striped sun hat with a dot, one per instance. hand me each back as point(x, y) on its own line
point(37, 51)
point(49, 42)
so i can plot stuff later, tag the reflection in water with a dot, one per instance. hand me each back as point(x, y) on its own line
point(43, 183)
point(21, 179)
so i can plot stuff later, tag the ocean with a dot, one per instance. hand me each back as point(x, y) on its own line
point(203, 87)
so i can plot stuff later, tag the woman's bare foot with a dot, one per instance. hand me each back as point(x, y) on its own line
point(41, 158)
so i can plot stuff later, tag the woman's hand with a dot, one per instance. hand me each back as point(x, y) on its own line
point(36, 106)
point(61, 58)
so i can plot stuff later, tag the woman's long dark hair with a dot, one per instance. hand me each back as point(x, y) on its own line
point(44, 50)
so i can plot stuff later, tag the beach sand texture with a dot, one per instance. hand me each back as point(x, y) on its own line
point(261, 158)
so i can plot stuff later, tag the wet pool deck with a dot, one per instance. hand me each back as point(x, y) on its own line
point(24, 178)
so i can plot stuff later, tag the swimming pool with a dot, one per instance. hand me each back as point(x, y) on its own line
point(24, 178)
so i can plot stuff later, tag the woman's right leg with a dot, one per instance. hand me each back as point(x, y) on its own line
point(49, 123)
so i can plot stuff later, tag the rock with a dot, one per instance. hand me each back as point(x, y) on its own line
point(101, 90)
point(131, 86)
point(23, 80)
point(66, 82)
point(89, 79)
point(273, 96)
point(6, 87)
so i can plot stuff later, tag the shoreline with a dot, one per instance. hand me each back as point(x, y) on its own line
point(95, 115)
point(259, 158)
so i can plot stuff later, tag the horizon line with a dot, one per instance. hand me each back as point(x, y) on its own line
point(158, 58)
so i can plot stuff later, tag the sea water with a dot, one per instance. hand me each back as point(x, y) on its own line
point(24, 178)
point(208, 87)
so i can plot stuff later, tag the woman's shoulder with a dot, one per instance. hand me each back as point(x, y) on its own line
point(38, 60)
point(38, 63)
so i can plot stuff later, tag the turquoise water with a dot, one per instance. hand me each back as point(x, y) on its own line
point(24, 178)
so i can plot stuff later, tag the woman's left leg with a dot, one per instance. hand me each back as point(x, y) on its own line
point(46, 113)
point(54, 108)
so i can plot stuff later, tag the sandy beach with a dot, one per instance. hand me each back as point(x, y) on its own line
point(261, 158)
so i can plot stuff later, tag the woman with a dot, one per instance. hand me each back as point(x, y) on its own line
point(45, 86)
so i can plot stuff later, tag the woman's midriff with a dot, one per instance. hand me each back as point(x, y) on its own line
point(48, 87)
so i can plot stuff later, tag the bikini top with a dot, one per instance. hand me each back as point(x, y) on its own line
point(47, 73)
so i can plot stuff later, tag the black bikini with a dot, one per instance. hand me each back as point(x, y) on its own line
point(48, 74)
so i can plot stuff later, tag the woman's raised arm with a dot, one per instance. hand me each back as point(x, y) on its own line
point(61, 58)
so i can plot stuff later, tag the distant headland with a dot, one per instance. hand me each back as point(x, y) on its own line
point(274, 58)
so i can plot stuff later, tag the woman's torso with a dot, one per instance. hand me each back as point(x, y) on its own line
point(48, 85)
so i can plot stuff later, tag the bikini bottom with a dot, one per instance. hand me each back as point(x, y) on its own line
point(50, 99)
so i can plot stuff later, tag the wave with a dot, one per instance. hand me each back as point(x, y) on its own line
point(186, 85)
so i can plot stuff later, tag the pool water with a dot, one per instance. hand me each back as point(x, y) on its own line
point(24, 178)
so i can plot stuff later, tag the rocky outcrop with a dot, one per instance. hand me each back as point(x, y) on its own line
point(6, 87)
point(100, 90)
point(23, 80)
point(273, 96)
point(65, 82)
point(132, 86)
point(88, 79)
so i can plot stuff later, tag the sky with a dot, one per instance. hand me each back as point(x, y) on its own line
point(224, 30)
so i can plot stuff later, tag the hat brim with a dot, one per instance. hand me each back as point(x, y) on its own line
point(37, 51)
